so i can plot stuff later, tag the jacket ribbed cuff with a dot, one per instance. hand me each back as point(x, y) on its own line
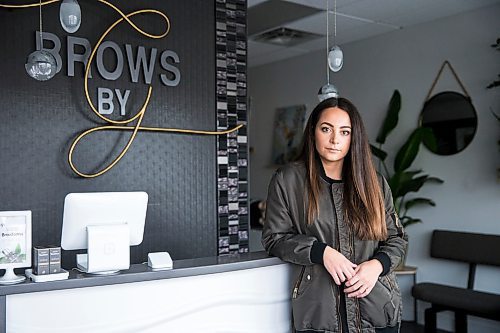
point(317, 251)
point(384, 260)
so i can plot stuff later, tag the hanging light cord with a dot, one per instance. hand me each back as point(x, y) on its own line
point(140, 115)
point(41, 39)
point(29, 5)
point(328, 34)
point(327, 46)
point(335, 22)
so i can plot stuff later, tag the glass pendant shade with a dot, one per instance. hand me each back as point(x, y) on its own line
point(41, 65)
point(70, 15)
point(335, 58)
point(327, 91)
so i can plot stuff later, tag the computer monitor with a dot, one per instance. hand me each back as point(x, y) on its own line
point(15, 244)
point(106, 224)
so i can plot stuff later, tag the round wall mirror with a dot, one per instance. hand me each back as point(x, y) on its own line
point(453, 120)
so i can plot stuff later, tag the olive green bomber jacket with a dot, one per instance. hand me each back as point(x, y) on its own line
point(316, 297)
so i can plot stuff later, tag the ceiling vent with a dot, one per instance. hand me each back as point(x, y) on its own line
point(285, 37)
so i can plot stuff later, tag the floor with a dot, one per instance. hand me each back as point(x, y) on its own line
point(411, 327)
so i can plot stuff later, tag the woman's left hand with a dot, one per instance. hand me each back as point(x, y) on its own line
point(364, 279)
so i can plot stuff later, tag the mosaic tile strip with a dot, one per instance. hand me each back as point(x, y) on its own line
point(232, 149)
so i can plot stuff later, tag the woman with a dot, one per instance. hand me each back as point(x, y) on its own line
point(333, 217)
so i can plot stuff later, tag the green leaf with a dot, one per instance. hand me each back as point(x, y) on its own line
point(407, 220)
point(391, 118)
point(18, 248)
point(379, 153)
point(408, 152)
point(493, 84)
point(399, 179)
point(419, 201)
point(414, 184)
point(434, 180)
point(495, 115)
point(429, 139)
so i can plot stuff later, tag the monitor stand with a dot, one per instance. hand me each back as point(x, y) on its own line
point(82, 265)
point(10, 277)
point(108, 249)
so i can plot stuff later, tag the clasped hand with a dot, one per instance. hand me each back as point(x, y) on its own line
point(359, 279)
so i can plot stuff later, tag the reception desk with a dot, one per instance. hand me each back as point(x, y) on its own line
point(240, 293)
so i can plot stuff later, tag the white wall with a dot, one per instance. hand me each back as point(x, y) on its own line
point(408, 60)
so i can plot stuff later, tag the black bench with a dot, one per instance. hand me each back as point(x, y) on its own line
point(474, 249)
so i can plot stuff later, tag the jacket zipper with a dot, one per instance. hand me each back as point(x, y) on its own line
point(359, 315)
point(357, 300)
point(351, 245)
point(297, 284)
point(337, 296)
point(337, 247)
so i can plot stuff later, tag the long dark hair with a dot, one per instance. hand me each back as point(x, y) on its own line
point(363, 200)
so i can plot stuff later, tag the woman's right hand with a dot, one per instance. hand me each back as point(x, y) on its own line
point(339, 267)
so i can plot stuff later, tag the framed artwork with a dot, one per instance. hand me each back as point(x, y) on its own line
point(288, 129)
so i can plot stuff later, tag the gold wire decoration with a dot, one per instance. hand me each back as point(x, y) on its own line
point(140, 114)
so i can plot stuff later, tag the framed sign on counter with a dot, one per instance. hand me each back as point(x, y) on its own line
point(15, 244)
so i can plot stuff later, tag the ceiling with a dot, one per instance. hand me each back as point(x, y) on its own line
point(356, 20)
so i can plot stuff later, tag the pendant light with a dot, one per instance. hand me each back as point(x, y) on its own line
point(41, 65)
point(70, 15)
point(335, 56)
point(329, 90)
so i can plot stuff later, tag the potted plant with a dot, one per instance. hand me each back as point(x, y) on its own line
point(402, 181)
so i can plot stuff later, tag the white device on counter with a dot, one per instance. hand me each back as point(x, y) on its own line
point(106, 224)
point(160, 260)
